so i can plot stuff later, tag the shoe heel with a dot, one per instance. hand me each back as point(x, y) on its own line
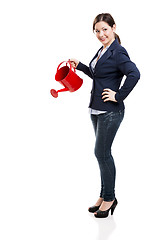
point(113, 208)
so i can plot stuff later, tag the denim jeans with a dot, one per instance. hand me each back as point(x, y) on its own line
point(105, 127)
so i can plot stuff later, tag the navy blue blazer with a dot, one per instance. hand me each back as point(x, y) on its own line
point(108, 73)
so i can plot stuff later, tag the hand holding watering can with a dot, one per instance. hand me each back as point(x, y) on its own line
point(74, 62)
point(67, 77)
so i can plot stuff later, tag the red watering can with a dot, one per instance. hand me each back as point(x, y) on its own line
point(68, 78)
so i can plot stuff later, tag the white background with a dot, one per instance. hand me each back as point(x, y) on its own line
point(48, 173)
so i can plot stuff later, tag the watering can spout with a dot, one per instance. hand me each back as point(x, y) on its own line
point(54, 93)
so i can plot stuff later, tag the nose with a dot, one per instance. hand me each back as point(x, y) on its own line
point(101, 33)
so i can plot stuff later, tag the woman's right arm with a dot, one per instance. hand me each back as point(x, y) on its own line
point(80, 66)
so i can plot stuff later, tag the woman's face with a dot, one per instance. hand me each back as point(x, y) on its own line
point(105, 33)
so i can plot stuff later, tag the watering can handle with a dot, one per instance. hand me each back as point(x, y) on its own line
point(66, 64)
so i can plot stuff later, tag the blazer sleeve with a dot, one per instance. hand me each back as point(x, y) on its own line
point(82, 67)
point(129, 69)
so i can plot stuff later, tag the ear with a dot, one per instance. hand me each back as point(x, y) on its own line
point(114, 28)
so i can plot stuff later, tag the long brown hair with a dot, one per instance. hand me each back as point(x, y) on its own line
point(106, 17)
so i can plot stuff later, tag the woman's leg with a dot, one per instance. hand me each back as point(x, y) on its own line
point(106, 128)
point(94, 119)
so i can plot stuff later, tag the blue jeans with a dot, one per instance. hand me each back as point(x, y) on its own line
point(105, 127)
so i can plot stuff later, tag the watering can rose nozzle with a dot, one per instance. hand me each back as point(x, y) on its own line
point(68, 78)
point(54, 93)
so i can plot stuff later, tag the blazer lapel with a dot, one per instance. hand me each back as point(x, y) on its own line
point(93, 59)
point(106, 55)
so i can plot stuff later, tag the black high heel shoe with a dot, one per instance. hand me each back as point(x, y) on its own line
point(93, 208)
point(104, 214)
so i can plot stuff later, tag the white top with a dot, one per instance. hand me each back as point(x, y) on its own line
point(95, 112)
point(93, 64)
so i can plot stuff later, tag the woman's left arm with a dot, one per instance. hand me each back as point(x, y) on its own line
point(128, 68)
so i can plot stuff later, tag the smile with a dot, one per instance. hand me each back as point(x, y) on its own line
point(103, 39)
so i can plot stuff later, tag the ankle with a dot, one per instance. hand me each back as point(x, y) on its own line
point(99, 201)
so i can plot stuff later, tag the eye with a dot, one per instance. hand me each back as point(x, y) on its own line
point(104, 29)
point(96, 31)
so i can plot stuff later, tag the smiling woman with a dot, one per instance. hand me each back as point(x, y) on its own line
point(109, 25)
point(107, 69)
point(105, 33)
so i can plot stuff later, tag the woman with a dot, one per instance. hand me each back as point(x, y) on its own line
point(107, 69)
